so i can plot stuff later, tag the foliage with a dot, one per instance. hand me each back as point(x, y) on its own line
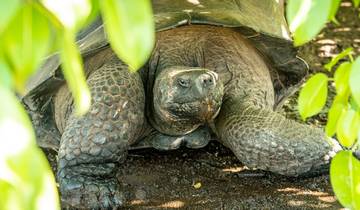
point(128, 42)
point(29, 31)
point(306, 19)
point(344, 177)
point(313, 97)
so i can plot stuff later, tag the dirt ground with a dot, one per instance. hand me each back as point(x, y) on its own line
point(212, 178)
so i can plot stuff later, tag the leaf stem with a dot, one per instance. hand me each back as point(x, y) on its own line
point(351, 58)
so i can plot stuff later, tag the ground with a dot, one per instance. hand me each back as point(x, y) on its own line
point(212, 178)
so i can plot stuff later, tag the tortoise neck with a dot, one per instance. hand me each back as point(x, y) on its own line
point(171, 125)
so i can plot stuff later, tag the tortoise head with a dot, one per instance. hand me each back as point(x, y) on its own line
point(185, 98)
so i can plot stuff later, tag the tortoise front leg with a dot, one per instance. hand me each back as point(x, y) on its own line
point(93, 145)
point(264, 139)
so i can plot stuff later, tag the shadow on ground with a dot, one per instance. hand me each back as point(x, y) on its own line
point(212, 178)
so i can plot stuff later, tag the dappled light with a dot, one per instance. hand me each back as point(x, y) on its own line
point(327, 51)
point(172, 204)
point(196, 2)
point(328, 198)
point(296, 203)
point(343, 29)
point(234, 169)
point(326, 41)
point(323, 197)
point(346, 4)
point(187, 10)
point(11, 148)
point(137, 202)
point(69, 12)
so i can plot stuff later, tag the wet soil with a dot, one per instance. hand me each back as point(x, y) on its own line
point(212, 178)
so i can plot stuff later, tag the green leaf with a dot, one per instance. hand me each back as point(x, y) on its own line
point(345, 179)
point(341, 78)
point(7, 10)
point(356, 3)
point(25, 43)
point(334, 8)
point(34, 189)
point(307, 17)
point(354, 80)
point(333, 117)
point(338, 57)
point(72, 67)
point(5, 74)
point(94, 13)
point(71, 14)
point(6, 191)
point(343, 99)
point(347, 127)
point(25, 187)
point(353, 104)
point(312, 97)
point(130, 27)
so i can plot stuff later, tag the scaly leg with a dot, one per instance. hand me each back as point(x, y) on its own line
point(92, 145)
point(264, 139)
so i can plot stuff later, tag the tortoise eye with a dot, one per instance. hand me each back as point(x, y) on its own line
point(183, 83)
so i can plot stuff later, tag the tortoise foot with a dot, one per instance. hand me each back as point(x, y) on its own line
point(90, 193)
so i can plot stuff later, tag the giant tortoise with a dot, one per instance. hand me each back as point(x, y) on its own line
point(218, 68)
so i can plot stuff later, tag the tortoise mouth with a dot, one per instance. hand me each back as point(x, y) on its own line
point(197, 110)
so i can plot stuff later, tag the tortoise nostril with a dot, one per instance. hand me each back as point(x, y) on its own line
point(208, 81)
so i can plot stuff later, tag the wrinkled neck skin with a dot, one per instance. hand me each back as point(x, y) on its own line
point(169, 124)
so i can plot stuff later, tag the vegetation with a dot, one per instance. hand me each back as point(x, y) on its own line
point(29, 31)
point(306, 18)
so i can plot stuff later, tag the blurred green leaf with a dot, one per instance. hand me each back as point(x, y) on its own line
point(347, 127)
point(40, 184)
point(5, 74)
point(25, 43)
point(345, 179)
point(71, 14)
point(26, 188)
point(72, 67)
point(338, 57)
point(130, 27)
point(353, 104)
point(313, 95)
point(333, 117)
point(94, 13)
point(7, 10)
point(334, 8)
point(341, 78)
point(343, 99)
point(8, 193)
point(356, 3)
point(354, 80)
point(307, 17)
